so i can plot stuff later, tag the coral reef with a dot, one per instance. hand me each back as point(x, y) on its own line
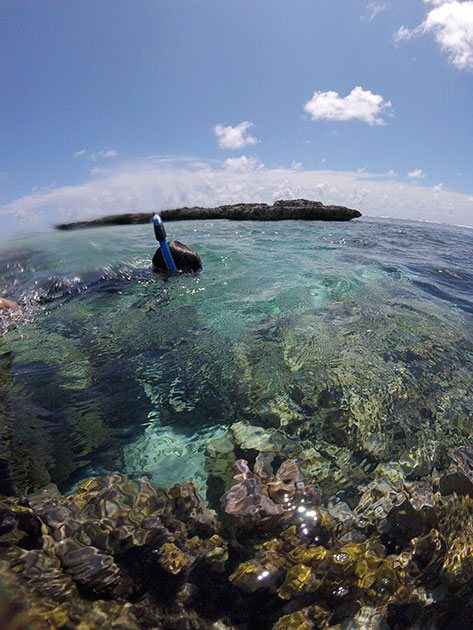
point(111, 544)
point(259, 496)
point(396, 388)
point(283, 556)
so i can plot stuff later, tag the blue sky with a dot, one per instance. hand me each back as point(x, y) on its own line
point(136, 105)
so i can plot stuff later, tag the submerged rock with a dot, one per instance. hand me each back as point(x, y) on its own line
point(8, 305)
point(459, 475)
point(293, 209)
point(378, 387)
point(25, 444)
point(117, 554)
point(10, 314)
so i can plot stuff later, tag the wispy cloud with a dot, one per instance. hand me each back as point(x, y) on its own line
point(403, 34)
point(417, 173)
point(162, 183)
point(43, 188)
point(451, 24)
point(99, 170)
point(234, 137)
point(103, 155)
point(360, 104)
point(96, 155)
point(373, 9)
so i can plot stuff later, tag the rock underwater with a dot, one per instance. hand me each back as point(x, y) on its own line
point(10, 313)
point(8, 305)
point(380, 390)
point(294, 209)
point(123, 555)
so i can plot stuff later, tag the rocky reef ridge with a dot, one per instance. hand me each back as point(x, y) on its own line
point(295, 209)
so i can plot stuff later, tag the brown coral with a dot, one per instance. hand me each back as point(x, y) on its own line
point(260, 495)
point(118, 554)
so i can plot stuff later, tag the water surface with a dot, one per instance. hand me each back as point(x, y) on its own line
point(355, 336)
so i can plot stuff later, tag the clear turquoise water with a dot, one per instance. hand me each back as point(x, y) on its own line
point(358, 335)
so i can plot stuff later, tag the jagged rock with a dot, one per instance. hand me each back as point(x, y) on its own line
point(294, 209)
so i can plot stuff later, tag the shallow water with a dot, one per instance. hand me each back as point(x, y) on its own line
point(355, 336)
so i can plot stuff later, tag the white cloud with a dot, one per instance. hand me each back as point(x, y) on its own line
point(100, 155)
point(170, 183)
point(234, 137)
point(404, 33)
point(360, 104)
point(418, 173)
point(451, 24)
point(373, 9)
point(242, 164)
point(98, 170)
point(437, 2)
point(296, 165)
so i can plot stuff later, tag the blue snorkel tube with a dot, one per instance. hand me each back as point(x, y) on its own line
point(160, 234)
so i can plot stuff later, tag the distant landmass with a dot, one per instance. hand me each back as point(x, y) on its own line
point(295, 209)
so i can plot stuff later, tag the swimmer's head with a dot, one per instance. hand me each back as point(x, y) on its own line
point(186, 259)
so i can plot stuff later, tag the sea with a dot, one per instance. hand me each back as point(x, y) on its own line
point(354, 336)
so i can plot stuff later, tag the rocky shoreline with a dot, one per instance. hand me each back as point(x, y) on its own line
point(295, 209)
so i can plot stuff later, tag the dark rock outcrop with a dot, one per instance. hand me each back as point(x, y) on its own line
point(295, 209)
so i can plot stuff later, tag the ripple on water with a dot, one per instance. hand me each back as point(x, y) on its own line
point(355, 335)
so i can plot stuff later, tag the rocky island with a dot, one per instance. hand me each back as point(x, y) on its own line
point(295, 209)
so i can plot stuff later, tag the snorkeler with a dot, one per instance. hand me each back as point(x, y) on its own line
point(185, 259)
point(173, 256)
